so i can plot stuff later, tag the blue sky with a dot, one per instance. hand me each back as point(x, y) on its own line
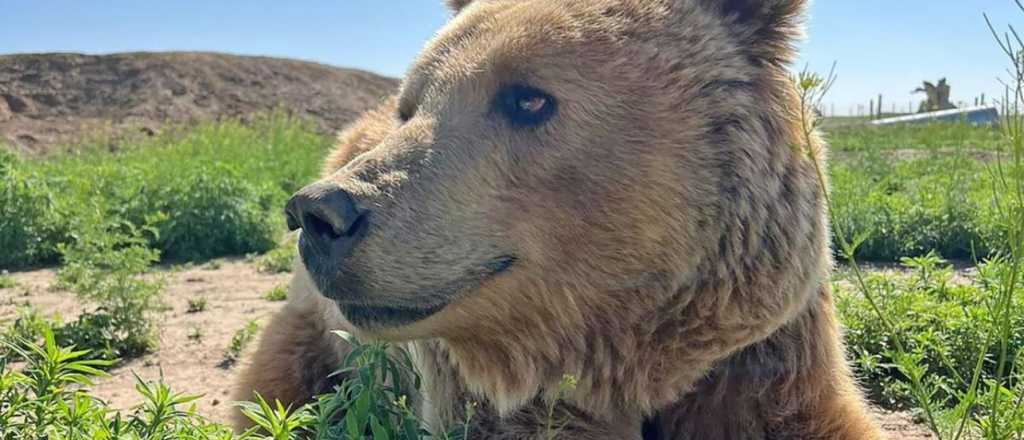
point(884, 47)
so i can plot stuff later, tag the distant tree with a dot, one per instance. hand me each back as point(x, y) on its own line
point(937, 96)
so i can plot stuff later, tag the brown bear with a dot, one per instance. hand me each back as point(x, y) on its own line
point(606, 189)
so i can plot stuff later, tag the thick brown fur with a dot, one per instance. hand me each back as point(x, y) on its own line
point(669, 239)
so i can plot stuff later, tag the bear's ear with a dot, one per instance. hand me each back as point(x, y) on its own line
point(767, 28)
point(457, 5)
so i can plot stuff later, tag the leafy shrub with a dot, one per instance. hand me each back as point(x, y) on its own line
point(49, 399)
point(371, 400)
point(196, 305)
point(7, 281)
point(239, 341)
point(941, 322)
point(210, 212)
point(912, 207)
point(279, 260)
point(218, 187)
point(107, 265)
point(28, 220)
point(278, 293)
point(28, 325)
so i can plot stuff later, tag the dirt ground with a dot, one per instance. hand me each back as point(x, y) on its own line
point(234, 291)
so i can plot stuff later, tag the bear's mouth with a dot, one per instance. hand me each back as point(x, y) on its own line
point(370, 310)
point(384, 316)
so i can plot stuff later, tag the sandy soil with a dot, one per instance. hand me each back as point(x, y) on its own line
point(234, 291)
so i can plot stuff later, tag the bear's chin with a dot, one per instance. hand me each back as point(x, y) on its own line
point(385, 317)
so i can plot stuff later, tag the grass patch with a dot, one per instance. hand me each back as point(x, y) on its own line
point(196, 305)
point(279, 260)
point(239, 341)
point(214, 190)
point(49, 398)
point(7, 281)
point(195, 334)
point(937, 198)
point(278, 293)
point(894, 209)
point(108, 266)
point(942, 323)
point(936, 137)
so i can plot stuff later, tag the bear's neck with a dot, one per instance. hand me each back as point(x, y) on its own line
point(647, 358)
point(607, 369)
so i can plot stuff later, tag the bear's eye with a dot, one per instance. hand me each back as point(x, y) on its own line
point(525, 106)
point(404, 115)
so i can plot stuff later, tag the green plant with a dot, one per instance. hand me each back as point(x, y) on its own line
point(239, 341)
point(909, 207)
point(279, 422)
point(49, 398)
point(196, 305)
point(278, 293)
point(217, 187)
point(195, 334)
point(982, 397)
point(372, 401)
point(552, 427)
point(7, 281)
point(937, 319)
point(279, 260)
point(28, 325)
point(29, 225)
point(107, 265)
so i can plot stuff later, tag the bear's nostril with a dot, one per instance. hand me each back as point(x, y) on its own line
point(320, 227)
point(357, 225)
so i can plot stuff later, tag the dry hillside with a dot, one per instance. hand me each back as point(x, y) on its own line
point(51, 99)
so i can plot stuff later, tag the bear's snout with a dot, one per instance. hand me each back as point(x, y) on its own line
point(332, 223)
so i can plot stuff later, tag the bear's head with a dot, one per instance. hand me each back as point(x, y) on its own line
point(602, 188)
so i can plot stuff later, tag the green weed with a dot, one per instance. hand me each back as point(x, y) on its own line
point(7, 281)
point(49, 398)
point(239, 341)
point(195, 334)
point(278, 293)
point(950, 350)
point(217, 189)
point(108, 265)
point(196, 305)
point(279, 260)
point(28, 325)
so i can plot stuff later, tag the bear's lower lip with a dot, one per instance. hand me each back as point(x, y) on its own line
point(383, 316)
point(364, 309)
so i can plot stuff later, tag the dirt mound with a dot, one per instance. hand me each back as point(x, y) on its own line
point(48, 100)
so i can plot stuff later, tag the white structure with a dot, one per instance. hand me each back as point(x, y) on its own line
point(971, 115)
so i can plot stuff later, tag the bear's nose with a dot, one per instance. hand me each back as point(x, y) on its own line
point(329, 217)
